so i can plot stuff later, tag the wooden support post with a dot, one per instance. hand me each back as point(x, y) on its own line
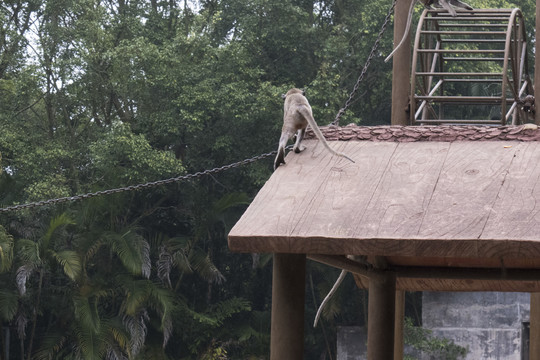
point(381, 316)
point(288, 292)
point(401, 74)
point(537, 64)
point(534, 330)
point(399, 325)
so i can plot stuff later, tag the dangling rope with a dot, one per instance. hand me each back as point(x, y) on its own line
point(366, 65)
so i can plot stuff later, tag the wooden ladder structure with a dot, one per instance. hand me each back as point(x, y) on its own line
point(470, 69)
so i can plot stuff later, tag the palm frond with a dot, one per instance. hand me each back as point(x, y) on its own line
point(6, 250)
point(133, 251)
point(55, 224)
point(90, 344)
point(51, 344)
point(203, 265)
point(166, 328)
point(22, 275)
point(163, 303)
point(137, 328)
point(9, 303)
point(27, 251)
point(164, 265)
point(20, 321)
point(71, 262)
point(227, 308)
point(116, 336)
point(179, 248)
point(86, 312)
point(137, 294)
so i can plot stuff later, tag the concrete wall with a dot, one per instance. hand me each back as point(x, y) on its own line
point(351, 343)
point(490, 324)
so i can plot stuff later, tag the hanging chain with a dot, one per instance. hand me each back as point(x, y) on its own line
point(366, 65)
point(135, 187)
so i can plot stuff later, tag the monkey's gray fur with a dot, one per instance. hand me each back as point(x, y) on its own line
point(297, 115)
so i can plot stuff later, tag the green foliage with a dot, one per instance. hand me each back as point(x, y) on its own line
point(6, 250)
point(422, 339)
point(98, 95)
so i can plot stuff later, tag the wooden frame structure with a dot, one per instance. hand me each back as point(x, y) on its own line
point(425, 208)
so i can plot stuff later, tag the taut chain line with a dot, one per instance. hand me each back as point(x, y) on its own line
point(135, 187)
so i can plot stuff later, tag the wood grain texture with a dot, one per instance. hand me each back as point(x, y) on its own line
point(462, 199)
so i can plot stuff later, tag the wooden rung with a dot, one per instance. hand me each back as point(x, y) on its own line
point(499, 80)
point(468, 18)
point(464, 99)
point(458, 51)
point(474, 11)
point(456, 74)
point(436, 32)
point(474, 40)
point(472, 59)
point(474, 25)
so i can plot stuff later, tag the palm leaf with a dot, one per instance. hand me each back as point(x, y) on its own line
point(133, 251)
point(116, 337)
point(28, 251)
point(90, 344)
point(137, 328)
point(203, 265)
point(137, 294)
point(51, 344)
point(9, 303)
point(55, 224)
point(86, 312)
point(6, 250)
point(164, 265)
point(71, 262)
point(22, 275)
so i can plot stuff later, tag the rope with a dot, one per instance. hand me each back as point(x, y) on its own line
point(366, 65)
point(135, 187)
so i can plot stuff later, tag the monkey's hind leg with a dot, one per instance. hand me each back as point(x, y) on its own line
point(299, 137)
point(280, 157)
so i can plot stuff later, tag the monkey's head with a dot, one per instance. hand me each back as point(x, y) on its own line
point(293, 91)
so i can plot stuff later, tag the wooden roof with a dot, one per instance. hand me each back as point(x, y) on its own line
point(413, 197)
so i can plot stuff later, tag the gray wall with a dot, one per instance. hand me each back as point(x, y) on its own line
point(490, 324)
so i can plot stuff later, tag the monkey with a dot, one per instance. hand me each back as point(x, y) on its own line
point(297, 115)
point(447, 4)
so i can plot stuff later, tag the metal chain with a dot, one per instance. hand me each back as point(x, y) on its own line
point(366, 65)
point(135, 187)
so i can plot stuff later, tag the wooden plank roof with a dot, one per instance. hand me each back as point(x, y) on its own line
point(411, 198)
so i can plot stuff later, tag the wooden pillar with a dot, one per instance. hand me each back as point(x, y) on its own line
point(537, 63)
point(381, 316)
point(401, 74)
point(288, 292)
point(399, 325)
point(534, 333)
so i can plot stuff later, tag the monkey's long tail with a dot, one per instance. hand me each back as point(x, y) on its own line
point(329, 296)
point(321, 136)
point(405, 33)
